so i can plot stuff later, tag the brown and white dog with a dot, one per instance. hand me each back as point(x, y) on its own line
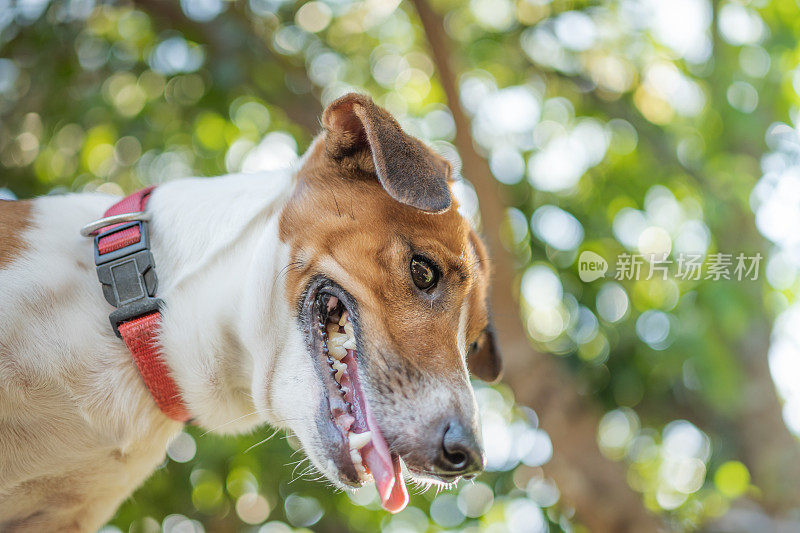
point(344, 301)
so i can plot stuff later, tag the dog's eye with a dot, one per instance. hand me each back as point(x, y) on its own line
point(424, 273)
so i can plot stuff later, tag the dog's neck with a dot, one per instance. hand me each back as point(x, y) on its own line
point(218, 260)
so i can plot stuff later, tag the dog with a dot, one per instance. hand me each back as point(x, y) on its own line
point(345, 301)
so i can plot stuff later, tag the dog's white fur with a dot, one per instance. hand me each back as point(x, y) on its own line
point(78, 429)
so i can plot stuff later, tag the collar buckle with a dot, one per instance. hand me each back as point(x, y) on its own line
point(93, 228)
point(127, 275)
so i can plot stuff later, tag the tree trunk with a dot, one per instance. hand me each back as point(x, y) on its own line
point(595, 486)
point(771, 453)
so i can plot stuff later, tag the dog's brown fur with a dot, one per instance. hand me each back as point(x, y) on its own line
point(340, 210)
point(14, 220)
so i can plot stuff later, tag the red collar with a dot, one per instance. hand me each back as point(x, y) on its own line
point(126, 269)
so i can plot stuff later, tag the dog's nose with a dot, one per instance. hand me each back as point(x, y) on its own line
point(460, 453)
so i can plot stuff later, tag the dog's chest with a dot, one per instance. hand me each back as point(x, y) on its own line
point(81, 480)
point(72, 449)
point(74, 445)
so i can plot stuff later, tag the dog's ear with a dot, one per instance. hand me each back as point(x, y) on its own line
point(484, 359)
point(409, 171)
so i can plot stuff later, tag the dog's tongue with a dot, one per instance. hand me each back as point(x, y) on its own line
point(384, 467)
point(398, 498)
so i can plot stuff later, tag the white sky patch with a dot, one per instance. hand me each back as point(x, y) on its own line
point(202, 10)
point(510, 110)
point(541, 287)
point(683, 95)
point(665, 225)
point(628, 225)
point(740, 25)
point(576, 30)
point(775, 200)
point(681, 25)
point(277, 150)
point(467, 199)
point(612, 302)
point(557, 228)
point(559, 165)
point(175, 55)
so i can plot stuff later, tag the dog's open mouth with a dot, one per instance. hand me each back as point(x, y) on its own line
point(337, 328)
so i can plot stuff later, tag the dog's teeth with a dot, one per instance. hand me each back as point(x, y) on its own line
point(335, 345)
point(336, 338)
point(332, 329)
point(340, 369)
point(359, 440)
point(349, 344)
point(348, 329)
point(338, 352)
point(345, 318)
point(355, 456)
point(362, 473)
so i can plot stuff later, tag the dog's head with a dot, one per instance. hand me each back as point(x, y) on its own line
point(388, 285)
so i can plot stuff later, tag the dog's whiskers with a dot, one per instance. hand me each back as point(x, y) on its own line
point(421, 486)
point(257, 411)
point(262, 441)
point(306, 471)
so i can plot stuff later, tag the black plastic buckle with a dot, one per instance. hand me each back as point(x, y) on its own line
point(128, 276)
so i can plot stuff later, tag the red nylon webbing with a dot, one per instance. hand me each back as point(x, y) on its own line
point(130, 204)
point(141, 333)
point(141, 337)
